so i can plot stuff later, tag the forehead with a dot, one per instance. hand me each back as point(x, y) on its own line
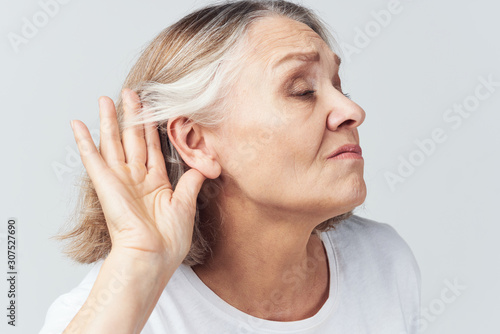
point(272, 38)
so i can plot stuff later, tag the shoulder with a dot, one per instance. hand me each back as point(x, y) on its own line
point(377, 268)
point(364, 238)
point(368, 228)
point(369, 232)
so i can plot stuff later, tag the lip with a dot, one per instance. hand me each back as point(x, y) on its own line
point(353, 151)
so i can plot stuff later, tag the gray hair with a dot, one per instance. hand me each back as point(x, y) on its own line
point(185, 72)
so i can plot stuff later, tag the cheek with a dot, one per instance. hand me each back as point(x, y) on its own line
point(257, 160)
point(252, 151)
point(254, 137)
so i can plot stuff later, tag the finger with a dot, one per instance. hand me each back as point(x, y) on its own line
point(155, 159)
point(133, 140)
point(110, 142)
point(188, 187)
point(91, 159)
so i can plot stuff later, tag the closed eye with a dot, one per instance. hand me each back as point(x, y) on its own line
point(311, 92)
point(307, 92)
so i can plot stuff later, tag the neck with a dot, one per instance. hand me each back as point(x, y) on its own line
point(274, 269)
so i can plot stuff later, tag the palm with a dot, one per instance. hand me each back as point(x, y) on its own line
point(142, 211)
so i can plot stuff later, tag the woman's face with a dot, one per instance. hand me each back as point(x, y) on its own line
point(288, 114)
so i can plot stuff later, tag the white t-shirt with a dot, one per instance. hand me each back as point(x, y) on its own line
point(374, 288)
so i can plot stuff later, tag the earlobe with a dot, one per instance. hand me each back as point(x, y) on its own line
point(209, 167)
point(192, 143)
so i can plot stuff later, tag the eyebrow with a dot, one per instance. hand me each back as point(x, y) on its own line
point(312, 56)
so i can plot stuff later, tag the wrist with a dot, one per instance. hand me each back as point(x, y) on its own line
point(134, 265)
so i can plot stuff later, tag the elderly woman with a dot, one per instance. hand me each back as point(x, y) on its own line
point(220, 199)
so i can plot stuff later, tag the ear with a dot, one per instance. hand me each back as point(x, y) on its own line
point(193, 144)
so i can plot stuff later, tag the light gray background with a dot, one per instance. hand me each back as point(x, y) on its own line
point(428, 58)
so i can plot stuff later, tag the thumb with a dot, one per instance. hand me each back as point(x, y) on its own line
point(188, 187)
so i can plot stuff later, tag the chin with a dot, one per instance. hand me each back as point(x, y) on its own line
point(348, 197)
point(332, 199)
point(358, 192)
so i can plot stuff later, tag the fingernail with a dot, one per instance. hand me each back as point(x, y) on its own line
point(71, 123)
point(124, 94)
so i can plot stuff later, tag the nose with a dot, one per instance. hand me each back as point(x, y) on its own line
point(344, 113)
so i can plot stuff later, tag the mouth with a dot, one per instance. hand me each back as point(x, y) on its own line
point(349, 151)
